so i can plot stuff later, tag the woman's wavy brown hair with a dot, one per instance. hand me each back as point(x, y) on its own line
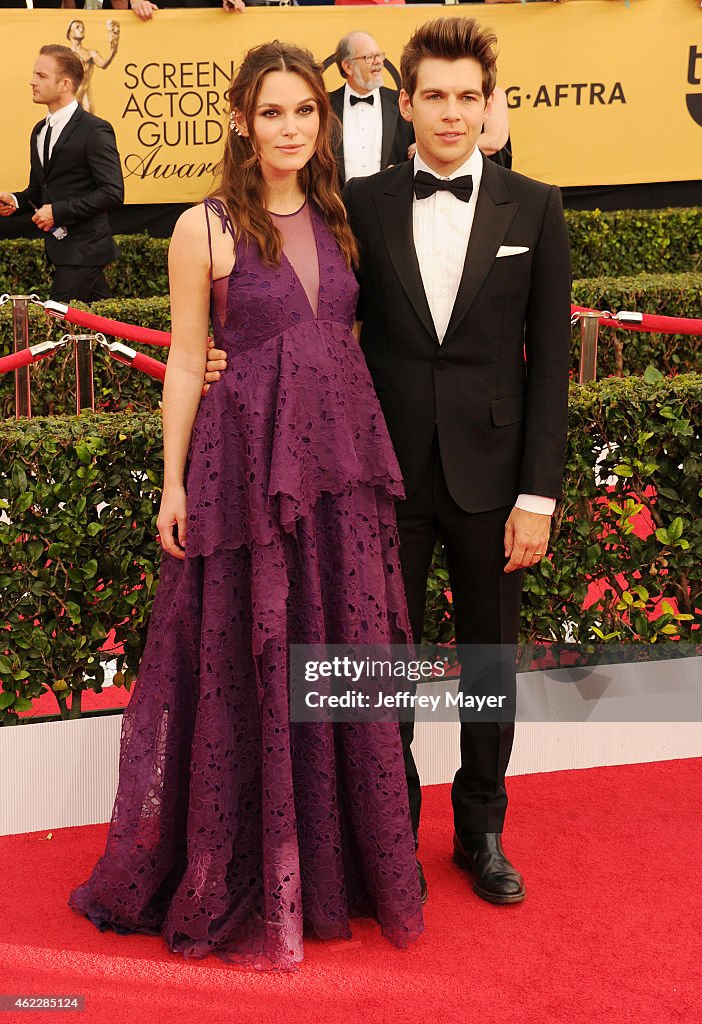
point(242, 186)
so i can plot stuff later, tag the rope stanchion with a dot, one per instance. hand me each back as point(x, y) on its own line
point(20, 339)
point(101, 324)
point(16, 360)
point(589, 329)
point(632, 321)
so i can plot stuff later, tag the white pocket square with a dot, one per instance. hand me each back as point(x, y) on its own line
point(511, 250)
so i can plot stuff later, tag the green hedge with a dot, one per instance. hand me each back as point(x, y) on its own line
point(635, 241)
point(118, 388)
point(77, 548)
point(641, 437)
point(620, 242)
point(77, 555)
point(140, 272)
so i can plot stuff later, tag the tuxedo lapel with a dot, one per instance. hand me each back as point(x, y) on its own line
point(33, 151)
point(390, 112)
point(493, 215)
point(394, 210)
point(65, 135)
point(336, 100)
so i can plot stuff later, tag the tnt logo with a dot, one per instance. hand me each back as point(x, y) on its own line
point(694, 99)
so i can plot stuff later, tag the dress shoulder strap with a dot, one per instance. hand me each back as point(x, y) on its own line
point(219, 209)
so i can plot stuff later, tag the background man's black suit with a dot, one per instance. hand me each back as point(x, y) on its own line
point(82, 182)
point(475, 421)
point(397, 133)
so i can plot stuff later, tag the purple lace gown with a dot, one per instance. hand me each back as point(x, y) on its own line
point(234, 829)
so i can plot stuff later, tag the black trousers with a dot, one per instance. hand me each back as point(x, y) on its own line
point(86, 284)
point(486, 606)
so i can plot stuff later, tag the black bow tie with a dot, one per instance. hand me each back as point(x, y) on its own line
point(361, 99)
point(426, 185)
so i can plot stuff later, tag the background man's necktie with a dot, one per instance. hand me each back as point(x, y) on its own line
point(47, 144)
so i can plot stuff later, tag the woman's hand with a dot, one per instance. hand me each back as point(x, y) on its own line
point(216, 364)
point(173, 512)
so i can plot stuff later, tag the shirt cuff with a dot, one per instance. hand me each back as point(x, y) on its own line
point(15, 200)
point(536, 503)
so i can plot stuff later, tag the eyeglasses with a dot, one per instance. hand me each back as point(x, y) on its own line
point(371, 58)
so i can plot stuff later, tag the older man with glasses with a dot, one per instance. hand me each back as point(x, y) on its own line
point(374, 134)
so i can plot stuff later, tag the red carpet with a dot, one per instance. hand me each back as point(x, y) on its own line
point(111, 697)
point(609, 933)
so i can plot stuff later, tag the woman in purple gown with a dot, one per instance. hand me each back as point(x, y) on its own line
point(233, 828)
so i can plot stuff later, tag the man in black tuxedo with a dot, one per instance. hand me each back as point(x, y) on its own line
point(75, 178)
point(374, 133)
point(465, 309)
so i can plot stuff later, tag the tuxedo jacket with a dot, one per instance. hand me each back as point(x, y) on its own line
point(398, 134)
point(496, 389)
point(82, 182)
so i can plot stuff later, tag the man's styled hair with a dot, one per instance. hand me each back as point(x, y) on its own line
point(449, 39)
point(68, 63)
point(344, 51)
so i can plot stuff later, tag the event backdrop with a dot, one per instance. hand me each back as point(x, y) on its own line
point(601, 92)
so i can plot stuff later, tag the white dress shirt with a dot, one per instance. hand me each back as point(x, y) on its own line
point(441, 224)
point(58, 121)
point(363, 134)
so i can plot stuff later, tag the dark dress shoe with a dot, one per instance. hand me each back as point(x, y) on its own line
point(495, 879)
point(423, 891)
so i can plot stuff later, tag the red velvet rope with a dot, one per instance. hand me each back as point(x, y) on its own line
point(19, 359)
point(146, 364)
point(668, 324)
point(154, 367)
point(649, 322)
point(129, 332)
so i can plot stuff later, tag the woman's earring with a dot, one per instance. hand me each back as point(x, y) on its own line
point(233, 126)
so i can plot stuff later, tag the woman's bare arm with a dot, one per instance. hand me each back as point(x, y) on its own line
point(189, 275)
